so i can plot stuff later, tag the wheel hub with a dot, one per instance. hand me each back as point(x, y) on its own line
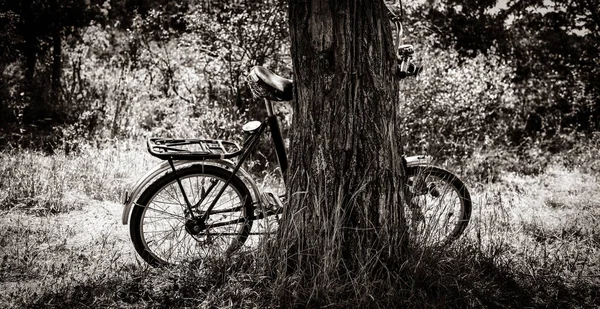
point(194, 227)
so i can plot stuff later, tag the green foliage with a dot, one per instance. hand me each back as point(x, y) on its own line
point(489, 87)
point(503, 88)
point(466, 25)
point(170, 73)
point(31, 63)
point(459, 106)
point(469, 113)
point(9, 37)
point(242, 37)
point(551, 45)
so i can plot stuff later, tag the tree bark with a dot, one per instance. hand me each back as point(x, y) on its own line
point(56, 31)
point(56, 65)
point(345, 215)
point(31, 44)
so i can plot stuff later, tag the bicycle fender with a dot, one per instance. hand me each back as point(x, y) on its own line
point(418, 160)
point(129, 196)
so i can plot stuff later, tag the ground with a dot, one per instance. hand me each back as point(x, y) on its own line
point(541, 230)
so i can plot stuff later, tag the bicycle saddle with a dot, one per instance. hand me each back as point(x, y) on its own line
point(266, 84)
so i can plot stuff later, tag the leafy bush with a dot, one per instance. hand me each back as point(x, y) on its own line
point(469, 112)
point(180, 71)
point(458, 106)
point(183, 77)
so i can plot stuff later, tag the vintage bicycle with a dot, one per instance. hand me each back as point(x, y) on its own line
point(200, 201)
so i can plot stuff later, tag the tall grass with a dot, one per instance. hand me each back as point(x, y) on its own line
point(533, 241)
point(62, 182)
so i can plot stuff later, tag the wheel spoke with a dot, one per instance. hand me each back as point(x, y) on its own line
point(163, 216)
point(439, 206)
point(172, 215)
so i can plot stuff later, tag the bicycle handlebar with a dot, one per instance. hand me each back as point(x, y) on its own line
point(406, 66)
point(404, 53)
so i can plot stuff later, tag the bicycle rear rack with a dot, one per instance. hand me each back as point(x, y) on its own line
point(192, 149)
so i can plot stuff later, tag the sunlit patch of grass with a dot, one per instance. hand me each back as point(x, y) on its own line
point(41, 256)
point(543, 230)
point(61, 182)
point(532, 241)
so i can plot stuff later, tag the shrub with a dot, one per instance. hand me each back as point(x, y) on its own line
point(458, 106)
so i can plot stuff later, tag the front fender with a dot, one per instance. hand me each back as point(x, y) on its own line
point(130, 196)
point(418, 160)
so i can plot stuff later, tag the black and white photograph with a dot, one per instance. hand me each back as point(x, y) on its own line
point(299, 154)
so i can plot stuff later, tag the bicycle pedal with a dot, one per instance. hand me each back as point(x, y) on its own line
point(274, 202)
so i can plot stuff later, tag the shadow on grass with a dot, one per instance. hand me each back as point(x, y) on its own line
point(457, 278)
point(143, 291)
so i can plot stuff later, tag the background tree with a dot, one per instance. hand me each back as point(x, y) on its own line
point(554, 46)
point(42, 25)
point(344, 220)
point(550, 44)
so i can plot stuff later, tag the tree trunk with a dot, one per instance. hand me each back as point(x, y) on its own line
point(345, 217)
point(56, 65)
point(56, 54)
point(31, 44)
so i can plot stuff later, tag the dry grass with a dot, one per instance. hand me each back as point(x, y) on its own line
point(543, 231)
point(533, 242)
point(57, 183)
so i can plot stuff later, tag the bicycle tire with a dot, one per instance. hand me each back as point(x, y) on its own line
point(163, 198)
point(439, 206)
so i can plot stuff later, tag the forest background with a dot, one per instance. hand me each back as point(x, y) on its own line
point(509, 100)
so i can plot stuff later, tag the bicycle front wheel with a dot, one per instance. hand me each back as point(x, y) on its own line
point(439, 206)
point(165, 227)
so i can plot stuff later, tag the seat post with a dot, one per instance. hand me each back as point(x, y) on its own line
point(278, 141)
point(269, 106)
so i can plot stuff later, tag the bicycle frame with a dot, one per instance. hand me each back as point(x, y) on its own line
point(223, 161)
point(277, 139)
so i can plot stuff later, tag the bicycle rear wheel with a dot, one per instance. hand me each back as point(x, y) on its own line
point(439, 206)
point(162, 227)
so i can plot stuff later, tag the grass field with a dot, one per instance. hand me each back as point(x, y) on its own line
point(533, 241)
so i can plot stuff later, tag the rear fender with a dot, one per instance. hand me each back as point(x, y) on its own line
point(130, 196)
